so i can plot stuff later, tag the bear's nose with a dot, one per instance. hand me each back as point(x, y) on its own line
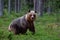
point(32, 17)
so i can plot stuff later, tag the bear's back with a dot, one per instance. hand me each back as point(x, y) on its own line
point(21, 22)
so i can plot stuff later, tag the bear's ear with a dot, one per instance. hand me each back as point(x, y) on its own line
point(35, 11)
point(29, 10)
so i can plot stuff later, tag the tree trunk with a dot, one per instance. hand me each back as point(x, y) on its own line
point(1, 7)
point(17, 6)
point(49, 10)
point(9, 6)
point(39, 6)
point(36, 5)
point(49, 7)
point(12, 5)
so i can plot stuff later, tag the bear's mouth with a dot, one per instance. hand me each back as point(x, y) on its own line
point(33, 18)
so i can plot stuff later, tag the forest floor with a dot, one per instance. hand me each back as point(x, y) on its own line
point(47, 28)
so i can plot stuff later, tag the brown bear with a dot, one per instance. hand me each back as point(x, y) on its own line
point(21, 24)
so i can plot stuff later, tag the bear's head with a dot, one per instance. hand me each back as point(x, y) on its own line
point(31, 15)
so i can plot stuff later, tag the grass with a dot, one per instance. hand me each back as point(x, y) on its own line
point(46, 28)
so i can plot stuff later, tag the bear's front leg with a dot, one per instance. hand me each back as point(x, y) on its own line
point(32, 29)
point(24, 30)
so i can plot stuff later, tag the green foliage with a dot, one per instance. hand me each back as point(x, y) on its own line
point(46, 28)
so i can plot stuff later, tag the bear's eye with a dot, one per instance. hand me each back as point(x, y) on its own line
point(34, 15)
point(30, 15)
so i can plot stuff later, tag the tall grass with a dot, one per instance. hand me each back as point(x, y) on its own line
point(46, 28)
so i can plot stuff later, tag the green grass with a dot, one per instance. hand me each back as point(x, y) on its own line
point(46, 28)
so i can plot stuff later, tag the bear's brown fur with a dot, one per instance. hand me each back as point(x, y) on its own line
point(21, 24)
